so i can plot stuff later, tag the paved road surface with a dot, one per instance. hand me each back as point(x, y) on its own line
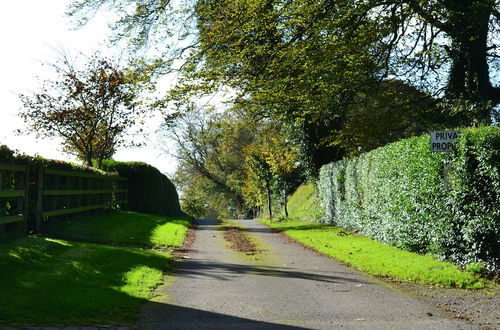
point(291, 288)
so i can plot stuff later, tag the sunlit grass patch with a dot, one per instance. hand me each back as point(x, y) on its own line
point(170, 233)
point(139, 281)
point(124, 228)
point(376, 258)
point(304, 203)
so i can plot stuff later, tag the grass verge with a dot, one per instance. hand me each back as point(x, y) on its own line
point(376, 258)
point(124, 228)
point(49, 281)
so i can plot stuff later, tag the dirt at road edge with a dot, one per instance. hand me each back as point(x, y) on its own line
point(479, 307)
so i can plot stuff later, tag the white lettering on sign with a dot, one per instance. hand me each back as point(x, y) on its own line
point(443, 140)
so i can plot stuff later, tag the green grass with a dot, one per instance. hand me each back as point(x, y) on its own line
point(304, 203)
point(72, 280)
point(124, 228)
point(376, 258)
point(51, 281)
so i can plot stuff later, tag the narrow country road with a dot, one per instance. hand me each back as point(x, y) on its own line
point(289, 288)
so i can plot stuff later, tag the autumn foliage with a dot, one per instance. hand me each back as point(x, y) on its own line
point(89, 108)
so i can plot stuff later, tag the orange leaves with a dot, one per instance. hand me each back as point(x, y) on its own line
point(90, 108)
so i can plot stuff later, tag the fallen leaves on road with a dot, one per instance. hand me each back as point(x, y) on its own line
point(239, 240)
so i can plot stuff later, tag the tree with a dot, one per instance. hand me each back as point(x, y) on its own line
point(258, 182)
point(462, 35)
point(283, 162)
point(271, 167)
point(209, 151)
point(391, 112)
point(90, 108)
point(305, 45)
point(280, 63)
point(232, 162)
point(318, 68)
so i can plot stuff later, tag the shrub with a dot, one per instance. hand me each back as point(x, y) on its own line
point(149, 190)
point(404, 195)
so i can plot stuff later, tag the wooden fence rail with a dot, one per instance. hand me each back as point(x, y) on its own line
point(58, 193)
point(13, 194)
point(67, 192)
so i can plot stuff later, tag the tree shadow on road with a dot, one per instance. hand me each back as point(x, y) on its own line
point(155, 315)
point(226, 271)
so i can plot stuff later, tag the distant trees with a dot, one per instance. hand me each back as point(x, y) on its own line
point(271, 164)
point(258, 178)
point(89, 107)
point(208, 148)
point(232, 165)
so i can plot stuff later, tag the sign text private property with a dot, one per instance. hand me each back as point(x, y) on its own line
point(443, 140)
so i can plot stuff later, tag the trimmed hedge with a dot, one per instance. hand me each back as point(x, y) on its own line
point(447, 204)
point(149, 190)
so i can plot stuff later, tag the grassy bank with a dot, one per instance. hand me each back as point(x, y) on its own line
point(375, 258)
point(124, 228)
point(304, 204)
point(49, 281)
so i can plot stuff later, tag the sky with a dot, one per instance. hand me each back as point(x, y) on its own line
point(31, 33)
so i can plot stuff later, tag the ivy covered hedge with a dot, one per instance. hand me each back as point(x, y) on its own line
point(149, 190)
point(404, 195)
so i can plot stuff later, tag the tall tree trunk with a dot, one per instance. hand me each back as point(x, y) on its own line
point(89, 161)
point(99, 162)
point(269, 201)
point(284, 200)
point(469, 76)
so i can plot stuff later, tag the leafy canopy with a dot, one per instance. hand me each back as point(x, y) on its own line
point(318, 51)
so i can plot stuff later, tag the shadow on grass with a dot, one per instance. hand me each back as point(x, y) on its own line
point(46, 281)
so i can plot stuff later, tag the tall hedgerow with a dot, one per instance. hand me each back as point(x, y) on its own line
point(149, 190)
point(404, 195)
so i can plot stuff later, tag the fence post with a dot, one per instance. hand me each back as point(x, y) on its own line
point(39, 203)
point(26, 198)
point(1, 179)
point(79, 200)
point(21, 202)
point(54, 200)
